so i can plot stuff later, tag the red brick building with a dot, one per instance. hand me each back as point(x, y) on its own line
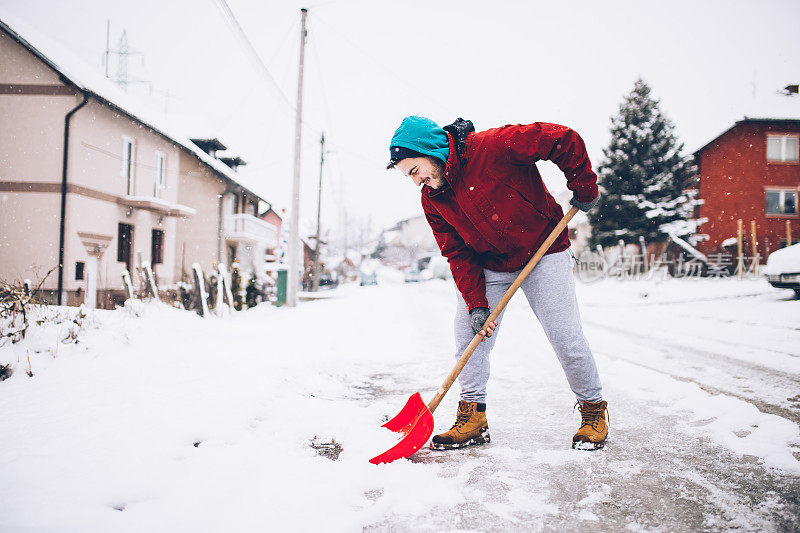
point(750, 172)
point(272, 216)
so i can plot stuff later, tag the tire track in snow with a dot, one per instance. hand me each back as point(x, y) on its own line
point(769, 378)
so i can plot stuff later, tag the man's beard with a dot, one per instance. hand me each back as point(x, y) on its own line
point(437, 178)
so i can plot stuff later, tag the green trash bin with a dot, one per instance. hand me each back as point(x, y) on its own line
point(280, 293)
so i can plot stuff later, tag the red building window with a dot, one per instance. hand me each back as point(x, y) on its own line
point(783, 148)
point(781, 202)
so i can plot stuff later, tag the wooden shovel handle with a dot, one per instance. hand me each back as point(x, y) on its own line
point(462, 361)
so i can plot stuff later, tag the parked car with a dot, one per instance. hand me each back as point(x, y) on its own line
point(412, 275)
point(368, 272)
point(783, 268)
point(440, 268)
point(428, 267)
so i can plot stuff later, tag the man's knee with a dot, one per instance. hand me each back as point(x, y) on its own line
point(570, 344)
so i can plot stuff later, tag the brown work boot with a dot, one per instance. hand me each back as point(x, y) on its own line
point(594, 430)
point(470, 428)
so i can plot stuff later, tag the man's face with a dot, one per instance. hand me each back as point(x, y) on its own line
point(422, 171)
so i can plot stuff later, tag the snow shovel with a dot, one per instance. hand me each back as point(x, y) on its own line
point(415, 420)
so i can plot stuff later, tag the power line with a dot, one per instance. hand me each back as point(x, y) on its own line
point(246, 101)
point(234, 24)
point(231, 19)
point(318, 64)
point(285, 39)
point(254, 56)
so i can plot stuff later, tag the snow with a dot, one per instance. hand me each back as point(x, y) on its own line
point(148, 418)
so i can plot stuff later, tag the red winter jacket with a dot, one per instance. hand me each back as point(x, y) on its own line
point(494, 210)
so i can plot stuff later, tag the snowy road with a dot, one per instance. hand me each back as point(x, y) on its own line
point(167, 422)
point(745, 344)
point(658, 472)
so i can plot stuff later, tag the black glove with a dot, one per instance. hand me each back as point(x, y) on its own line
point(477, 317)
point(585, 206)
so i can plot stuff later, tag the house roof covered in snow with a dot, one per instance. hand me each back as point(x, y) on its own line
point(85, 79)
point(751, 120)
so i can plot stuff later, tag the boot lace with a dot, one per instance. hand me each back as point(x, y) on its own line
point(591, 415)
point(463, 416)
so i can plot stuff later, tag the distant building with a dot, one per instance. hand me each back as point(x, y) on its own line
point(750, 172)
point(346, 267)
point(227, 226)
point(91, 185)
point(409, 238)
point(272, 217)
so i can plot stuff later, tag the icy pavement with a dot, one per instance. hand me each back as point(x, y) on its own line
point(167, 422)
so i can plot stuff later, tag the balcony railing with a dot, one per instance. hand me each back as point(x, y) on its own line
point(247, 228)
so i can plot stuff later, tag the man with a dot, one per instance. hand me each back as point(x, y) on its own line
point(490, 211)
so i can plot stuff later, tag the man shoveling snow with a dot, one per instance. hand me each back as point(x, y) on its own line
point(490, 211)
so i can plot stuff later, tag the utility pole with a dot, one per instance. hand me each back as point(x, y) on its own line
point(317, 270)
point(294, 226)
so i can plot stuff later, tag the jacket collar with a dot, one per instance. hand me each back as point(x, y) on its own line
point(457, 134)
point(460, 130)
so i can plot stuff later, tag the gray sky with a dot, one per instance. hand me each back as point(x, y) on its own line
point(369, 63)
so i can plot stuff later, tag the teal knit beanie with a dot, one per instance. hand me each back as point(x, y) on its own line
point(421, 135)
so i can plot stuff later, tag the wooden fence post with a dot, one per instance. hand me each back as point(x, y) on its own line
point(126, 281)
point(223, 289)
point(643, 246)
point(200, 290)
point(740, 252)
point(228, 294)
point(755, 247)
point(150, 279)
point(621, 245)
point(219, 305)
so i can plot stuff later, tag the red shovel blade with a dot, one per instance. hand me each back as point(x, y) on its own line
point(415, 423)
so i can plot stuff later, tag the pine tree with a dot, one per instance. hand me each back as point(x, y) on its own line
point(643, 176)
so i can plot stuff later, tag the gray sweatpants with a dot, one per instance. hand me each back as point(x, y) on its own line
point(550, 290)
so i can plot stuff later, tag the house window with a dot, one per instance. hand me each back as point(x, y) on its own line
point(783, 148)
point(781, 202)
point(160, 178)
point(124, 244)
point(127, 164)
point(157, 247)
point(79, 270)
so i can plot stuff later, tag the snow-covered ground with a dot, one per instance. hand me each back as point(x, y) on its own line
point(158, 420)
